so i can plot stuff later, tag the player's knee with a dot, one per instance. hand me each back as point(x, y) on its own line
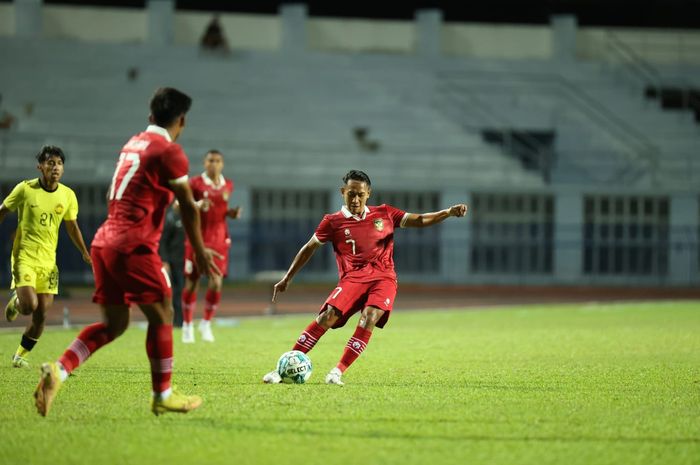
point(117, 328)
point(27, 306)
point(190, 283)
point(215, 283)
point(328, 317)
point(369, 318)
point(117, 324)
point(39, 315)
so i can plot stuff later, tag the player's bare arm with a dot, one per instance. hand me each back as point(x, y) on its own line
point(3, 212)
point(422, 220)
point(302, 257)
point(190, 221)
point(76, 237)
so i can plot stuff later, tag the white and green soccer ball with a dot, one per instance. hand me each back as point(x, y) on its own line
point(294, 367)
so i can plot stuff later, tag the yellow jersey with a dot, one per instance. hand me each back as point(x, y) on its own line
point(39, 215)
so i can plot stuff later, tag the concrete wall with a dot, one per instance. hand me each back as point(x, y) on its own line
point(497, 41)
point(354, 35)
point(263, 32)
point(94, 24)
point(7, 19)
point(653, 45)
point(255, 32)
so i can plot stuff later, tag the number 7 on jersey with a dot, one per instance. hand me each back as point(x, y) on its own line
point(124, 157)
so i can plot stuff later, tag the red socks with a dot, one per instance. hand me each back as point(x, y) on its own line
point(309, 337)
point(355, 346)
point(212, 299)
point(159, 347)
point(189, 301)
point(88, 341)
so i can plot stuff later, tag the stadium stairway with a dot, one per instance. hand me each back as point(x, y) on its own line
point(606, 131)
point(276, 117)
point(297, 114)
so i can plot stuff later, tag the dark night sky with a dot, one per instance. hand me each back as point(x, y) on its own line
point(642, 13)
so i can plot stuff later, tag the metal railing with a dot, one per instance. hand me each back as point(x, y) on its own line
point(640, 148)
point(678, 53)
point(534, 152)
point(647, 75)
point(510, 259)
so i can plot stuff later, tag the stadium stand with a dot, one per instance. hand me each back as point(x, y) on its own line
point(524, 139)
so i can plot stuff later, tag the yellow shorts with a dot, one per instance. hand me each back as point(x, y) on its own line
point(44, 280)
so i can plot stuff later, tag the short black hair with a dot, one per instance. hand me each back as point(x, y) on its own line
point(49, 151)
point(357, 175)
point(217, 152)
point(167, 105)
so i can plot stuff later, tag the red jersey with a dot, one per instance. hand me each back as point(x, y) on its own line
point(363, 245)
point(213, 212)
point(140, 192)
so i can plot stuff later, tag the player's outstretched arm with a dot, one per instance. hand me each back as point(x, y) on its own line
point(3, 212)
point(303, 256)
point(234, 212)
point(190, 221)
point(76, 237)
point(422, 220)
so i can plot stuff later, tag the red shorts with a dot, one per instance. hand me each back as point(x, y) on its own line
point(121, 279)
point(191, 270)
point(351, 297)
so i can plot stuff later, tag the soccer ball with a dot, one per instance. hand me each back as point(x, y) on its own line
point(294, 367)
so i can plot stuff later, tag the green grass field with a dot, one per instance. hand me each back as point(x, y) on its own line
point(575, 384)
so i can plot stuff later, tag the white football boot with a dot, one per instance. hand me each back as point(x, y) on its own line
point(205, 331)
point(188, 333)
point(334, 377)
point(272, 378)
point(19, 362)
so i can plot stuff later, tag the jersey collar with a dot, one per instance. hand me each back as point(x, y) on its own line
point(160, 131)
point(209, 182)
point(346, 213)
point(41, 184)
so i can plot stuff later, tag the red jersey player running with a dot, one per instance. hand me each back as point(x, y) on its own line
point(212, 193)
point(363, 241)
point(125, 259)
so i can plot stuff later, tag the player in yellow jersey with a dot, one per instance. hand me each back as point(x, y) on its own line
point(41, 204)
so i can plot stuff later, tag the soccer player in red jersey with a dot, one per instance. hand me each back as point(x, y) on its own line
point(212, 193)
point(125, 259)
point(363, 241)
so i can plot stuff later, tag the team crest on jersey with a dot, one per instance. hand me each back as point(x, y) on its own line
point(58, 209)
point(379, 224)
point(347, 232)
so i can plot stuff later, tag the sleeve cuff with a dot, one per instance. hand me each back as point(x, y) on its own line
point(403, 220)
point(317, 240)
point(179, 180)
